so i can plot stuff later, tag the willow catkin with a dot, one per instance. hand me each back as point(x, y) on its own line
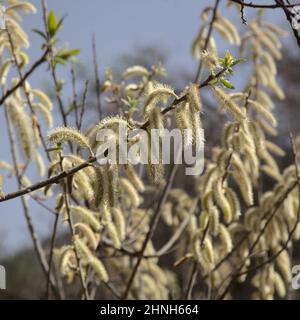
point(183, 122)
point(230, 29)
point(19, 37)
point(284, 265)
point(82, 249)
point(23, 6)
point(112, 123)
point(42, 97)
point(279, 285)
point(86, 215)
point(210, 60)
point(120, 222)
point(40, 164)
point(65, 255)
point(226, 102)
point(225, 33)
point(242, 179)
point(160, 92)
point(135, 71)
point(110, 181)
point(113, 234)
point(45, 112)
point(99, 268)
point(64, 134)
point(130, 190)
point(23, 127)
point(4, 70)
point(263, 111)
point(134, 178)
point(219, 194)
point(87, 232)
point(209, 251)
point(225, 238)
point(234, 202)
point(273, 148)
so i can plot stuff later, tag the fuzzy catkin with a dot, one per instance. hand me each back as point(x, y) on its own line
point(86, 215)
point(64, 134)
point(99, 268)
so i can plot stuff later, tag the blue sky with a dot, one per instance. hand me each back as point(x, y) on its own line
point(120, 27)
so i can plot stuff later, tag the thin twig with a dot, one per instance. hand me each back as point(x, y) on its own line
point(97, 78)
point(263, 6)
point(52, 245)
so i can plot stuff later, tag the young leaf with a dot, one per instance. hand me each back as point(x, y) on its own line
point(42, 34)
point(227, 84)
point(52, 23)
point(214, 81)
point(67, 54)
point(227, 58)
point(237, 61)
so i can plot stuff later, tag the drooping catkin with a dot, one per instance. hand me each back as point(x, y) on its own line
point(110, 181)
point(209, 251)
point(42, 97)
point(23, 127)
point(23, 6)
point(112, 123)
point(263, 111)
point(120, 222)
point(45, 112)
point(135, 71)
point(86, 215)
point(242, 179)
point(130, 190)
point(113, 234)
point(134, 178)
point(86, 231)
point(99, 268)
point(219, 194)
point(160, 92)
point(82, 249)
point(225, 101)
point(183, 121)
point(193, 97)
point(65, 255)
point(64, 134)
point(225, 238)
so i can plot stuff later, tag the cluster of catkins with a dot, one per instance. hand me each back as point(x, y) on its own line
point(108, 205)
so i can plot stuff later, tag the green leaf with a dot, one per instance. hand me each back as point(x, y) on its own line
point(52, 23)
point(214, 81)
point(42, 34)
point(227, 58)
point(227, 84)
point(237, 61)
point(59, 60)
point(67, 54)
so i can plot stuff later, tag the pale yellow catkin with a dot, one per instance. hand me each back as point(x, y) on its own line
point(135, 71)
point(88, 233)
point(99, 268)
point(120, 222)
point(86, 215)
point(64, 134)
point(225, 238)
point(23, 127)
point(134, 178)
point(225, 101)
point(113, 234)
point(222, 201)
